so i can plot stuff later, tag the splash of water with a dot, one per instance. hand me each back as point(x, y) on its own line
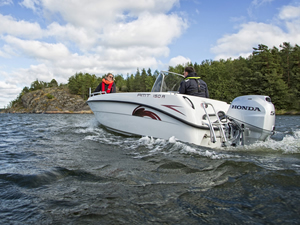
point(288, 144)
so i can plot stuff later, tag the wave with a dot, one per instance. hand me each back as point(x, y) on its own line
point(45, 178)
point(286, 142)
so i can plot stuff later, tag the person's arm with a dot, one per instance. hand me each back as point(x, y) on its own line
point(98, 89)
point(206, 92)
point(182, 87)
point(114, 88)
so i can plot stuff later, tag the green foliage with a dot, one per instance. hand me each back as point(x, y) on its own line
point(36, 85)
point(53, 83)
point(49, 96)
point(80, 83)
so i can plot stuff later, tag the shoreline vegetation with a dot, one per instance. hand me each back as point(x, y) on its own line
point(273, 72)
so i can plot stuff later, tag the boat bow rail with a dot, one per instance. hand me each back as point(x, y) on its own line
point(95, 93)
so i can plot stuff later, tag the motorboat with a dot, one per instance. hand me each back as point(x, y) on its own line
point(164, 113)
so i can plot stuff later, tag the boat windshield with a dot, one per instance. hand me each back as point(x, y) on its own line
point(167, 82)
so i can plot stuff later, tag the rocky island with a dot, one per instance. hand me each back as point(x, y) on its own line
point(50, 100)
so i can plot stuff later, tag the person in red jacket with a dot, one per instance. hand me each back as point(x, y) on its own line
point(107, 85)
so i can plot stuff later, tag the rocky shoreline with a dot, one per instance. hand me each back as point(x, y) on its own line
point(50, 101)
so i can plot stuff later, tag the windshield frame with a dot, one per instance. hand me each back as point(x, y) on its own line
point(163, 84)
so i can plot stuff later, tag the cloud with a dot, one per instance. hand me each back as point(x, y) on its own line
point(289, 12)
point(24, 77)
point(6, 2)
point(69, 34)
point(252, 34)
point(258, 3)
point(148, 30)
point(30, 4)
point(4, 54)
point(8, 91)
point(178, 60)
point(39, 50)
point(4, 86)
point(96, 13)
point(249, 36)
point(10, 26)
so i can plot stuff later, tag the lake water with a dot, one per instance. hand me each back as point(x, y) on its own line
point(67, 169)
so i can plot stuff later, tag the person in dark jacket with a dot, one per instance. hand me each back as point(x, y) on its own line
point(107, 85)
point(192, 84)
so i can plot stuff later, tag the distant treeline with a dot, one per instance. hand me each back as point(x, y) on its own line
point(274, 72)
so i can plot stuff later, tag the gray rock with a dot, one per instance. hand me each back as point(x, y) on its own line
point(50, 100)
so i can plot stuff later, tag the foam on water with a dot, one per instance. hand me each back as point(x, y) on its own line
point(153, 145)
point(290, 144)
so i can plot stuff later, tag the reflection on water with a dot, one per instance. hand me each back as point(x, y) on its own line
point(59, 169)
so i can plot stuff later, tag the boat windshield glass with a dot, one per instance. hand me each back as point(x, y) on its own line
point(167, 82)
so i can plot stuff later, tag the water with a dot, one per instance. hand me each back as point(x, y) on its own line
point(67, 169)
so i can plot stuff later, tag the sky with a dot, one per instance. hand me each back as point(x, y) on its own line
point(55, 39)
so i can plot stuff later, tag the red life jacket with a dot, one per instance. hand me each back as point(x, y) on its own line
point(108, 89)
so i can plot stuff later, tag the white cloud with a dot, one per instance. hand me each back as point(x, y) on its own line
point(4, 54)
point(178, 60)
point(10, 26)
point(31, 4)
point(6, 2)
point(289, 12)
point(69, 34)
point(147, 30)
point(251, 34)
point(96, 13)
point(8, 91)
point(260, 2)
point(24, 77)
point(5, 86)
point(39, 50)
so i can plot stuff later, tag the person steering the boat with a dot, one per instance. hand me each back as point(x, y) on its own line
point(107, 85)
point(192, 84)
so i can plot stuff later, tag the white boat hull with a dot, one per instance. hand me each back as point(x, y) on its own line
point(160, 115)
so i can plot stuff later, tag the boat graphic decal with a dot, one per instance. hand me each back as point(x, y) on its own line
point(140, 111)
point(173, 107)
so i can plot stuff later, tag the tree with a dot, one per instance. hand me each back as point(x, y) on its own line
point(143, 80)
point(80, 83)
point(137, 81)
point(295, 78)
point(130, 83)
point(36, 85)
point(285, 54)
point(268, 75)
point(53, 83)
point(120, 82)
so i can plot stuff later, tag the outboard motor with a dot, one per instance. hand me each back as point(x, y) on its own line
point(252, 119)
